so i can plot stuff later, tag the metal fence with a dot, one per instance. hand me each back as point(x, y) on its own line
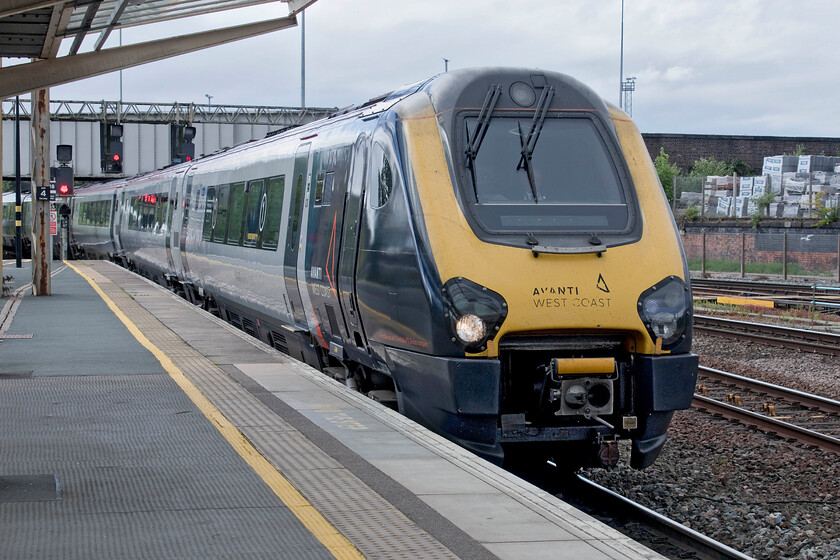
point(794, 253)
point(786, 195)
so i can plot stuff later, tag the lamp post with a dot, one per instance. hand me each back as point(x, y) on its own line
point(209, 99)
point(303, 58)
point(621, 61)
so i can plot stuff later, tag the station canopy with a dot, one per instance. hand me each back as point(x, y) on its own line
point(35, 30)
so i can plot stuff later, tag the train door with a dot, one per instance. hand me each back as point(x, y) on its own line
point(185, 217)
point(324, 223)
point(173, 234)
point(293, 232)
point(116, 205)
point(350, 244)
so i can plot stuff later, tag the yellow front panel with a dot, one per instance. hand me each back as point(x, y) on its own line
point(549, 292)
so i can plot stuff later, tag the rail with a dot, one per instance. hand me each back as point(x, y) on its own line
point(766, 422)
point(783, 294)
point(698, 544)
point(787, 337)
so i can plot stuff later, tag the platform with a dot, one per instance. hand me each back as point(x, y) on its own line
point(134, 425)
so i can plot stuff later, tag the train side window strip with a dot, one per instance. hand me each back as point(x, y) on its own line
point(236, 213)
point(328, 188)
point(274, 212)
point(319, 187)
point(209, 214)
point(252, 213)
point(221, 214)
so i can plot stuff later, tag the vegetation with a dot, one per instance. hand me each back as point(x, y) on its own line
point(705, 167)
point(827, 215)
point(799, 150)
point(763, 211)
point(692, 213)
point(666, 171)
point(741, 167)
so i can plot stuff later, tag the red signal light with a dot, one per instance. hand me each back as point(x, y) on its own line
point(63, 189)
point(189, 158)
point(116, 157)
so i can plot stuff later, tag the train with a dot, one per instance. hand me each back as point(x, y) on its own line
point(488, 251)
point(10, 227)
point(9, 224)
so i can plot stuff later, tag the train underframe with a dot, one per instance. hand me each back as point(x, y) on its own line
point(524, 407)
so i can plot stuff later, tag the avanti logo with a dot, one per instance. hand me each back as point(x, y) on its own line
point(602, 284)
point(562, 290)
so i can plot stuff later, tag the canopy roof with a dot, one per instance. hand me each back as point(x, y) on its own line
point(35, 29)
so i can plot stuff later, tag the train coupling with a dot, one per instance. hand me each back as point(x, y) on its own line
point(583, 387)
point(608, 453)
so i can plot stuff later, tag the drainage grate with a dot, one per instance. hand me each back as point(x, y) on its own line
point(29, 488)
point(16, 375)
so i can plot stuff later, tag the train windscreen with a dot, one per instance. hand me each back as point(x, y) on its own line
point(557, 175)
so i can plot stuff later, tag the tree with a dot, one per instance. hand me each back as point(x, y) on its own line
point(706, 167)
point(666, 171)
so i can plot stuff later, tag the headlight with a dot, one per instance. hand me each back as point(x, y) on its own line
point(665, 309)
point(470, 329)
point(475, 313)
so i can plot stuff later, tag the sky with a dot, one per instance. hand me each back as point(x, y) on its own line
point(744, 67)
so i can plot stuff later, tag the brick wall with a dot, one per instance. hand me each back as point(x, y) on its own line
point(820, 254)
point(685, 149)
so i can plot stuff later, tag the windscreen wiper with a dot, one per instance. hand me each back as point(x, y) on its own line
point(527, 165)
point(530, 142)
point(483, 124)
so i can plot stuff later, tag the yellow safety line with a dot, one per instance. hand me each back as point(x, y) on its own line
point(328, 535)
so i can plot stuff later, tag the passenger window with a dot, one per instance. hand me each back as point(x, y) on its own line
point(384, 177)
point(252, 213)
point(160, 212)
point(237, 207)
point(220, 214)
point(319, 188)
point(328, 187)
point(273, 213)
point(209, 209)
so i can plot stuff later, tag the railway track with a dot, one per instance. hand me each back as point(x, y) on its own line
point(807, 418)
point(783, 295)
point(666, 536)
point(787, 337)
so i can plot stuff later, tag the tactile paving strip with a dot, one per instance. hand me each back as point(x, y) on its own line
point(375, 527)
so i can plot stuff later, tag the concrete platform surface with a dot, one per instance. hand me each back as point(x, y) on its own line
point(135, 425)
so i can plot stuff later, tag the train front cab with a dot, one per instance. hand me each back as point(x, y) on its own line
point(567, 337)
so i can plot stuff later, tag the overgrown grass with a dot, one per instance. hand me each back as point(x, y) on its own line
point(793, 269)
